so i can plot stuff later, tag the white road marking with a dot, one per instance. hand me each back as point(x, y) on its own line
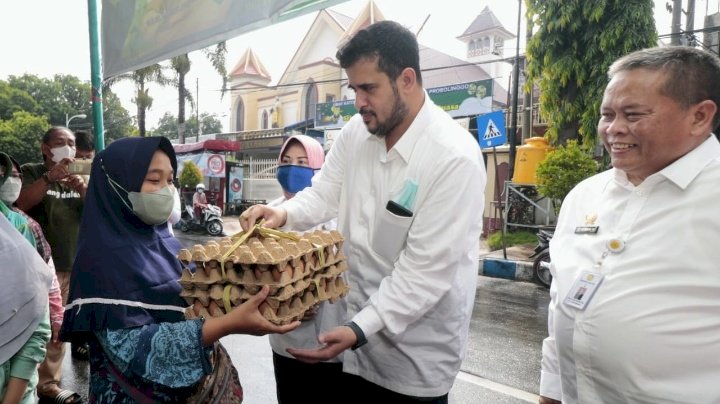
point(499, 388)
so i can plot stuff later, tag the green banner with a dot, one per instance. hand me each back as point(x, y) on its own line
point(466, 99)
point(334, 114)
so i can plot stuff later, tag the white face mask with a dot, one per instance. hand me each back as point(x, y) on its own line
point(59, 153)
point(10, 190)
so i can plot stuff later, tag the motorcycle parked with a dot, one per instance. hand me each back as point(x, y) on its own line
point(541, 255)
point(212, 220)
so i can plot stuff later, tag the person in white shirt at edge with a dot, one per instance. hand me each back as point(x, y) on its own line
point(300, 157)
point(176, 212)
point(641, 238)
point(406, 183)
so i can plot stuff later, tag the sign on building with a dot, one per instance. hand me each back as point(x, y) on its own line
point(465, 99)
point(235, 181)
point(334, 114)
point(210, 164)
point(458, 100)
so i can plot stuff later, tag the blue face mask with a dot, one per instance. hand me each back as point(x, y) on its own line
point(294, 179)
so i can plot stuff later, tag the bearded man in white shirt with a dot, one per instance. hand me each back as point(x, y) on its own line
point(406, 183)
point(640, 239)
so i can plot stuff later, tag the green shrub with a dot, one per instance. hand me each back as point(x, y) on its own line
point(190, 175)
point(494, 240)
point(562, 169)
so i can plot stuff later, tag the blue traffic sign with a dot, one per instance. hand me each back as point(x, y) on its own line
point(491, 129)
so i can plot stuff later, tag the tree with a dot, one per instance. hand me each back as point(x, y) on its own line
point(49, 96)
point(562, 169)
point(142, 77)
point(20, 136)
point(190, 175)
point(168, 126)
point(13, 100)
point(570, 53)
point(181, 65)
point(209, 123)
point(59, 97)
point(116, 119)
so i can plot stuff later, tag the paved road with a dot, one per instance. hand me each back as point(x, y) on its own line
point(502, 363)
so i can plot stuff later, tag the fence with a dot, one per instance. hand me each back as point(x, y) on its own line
point(259, 169)
point(260, 184)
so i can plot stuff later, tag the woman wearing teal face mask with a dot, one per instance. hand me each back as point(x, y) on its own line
point(124, 296)
point(300, 157)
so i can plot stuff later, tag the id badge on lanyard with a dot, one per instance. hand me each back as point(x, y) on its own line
point(588, 281)
point(583, 289)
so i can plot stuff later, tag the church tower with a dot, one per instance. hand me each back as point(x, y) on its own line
point(485, 43)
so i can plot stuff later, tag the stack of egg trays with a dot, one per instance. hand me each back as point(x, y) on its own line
point(301, 272)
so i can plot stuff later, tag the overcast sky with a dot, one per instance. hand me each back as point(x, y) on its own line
point(47, 37)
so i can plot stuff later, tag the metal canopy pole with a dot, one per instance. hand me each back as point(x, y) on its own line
point(96, 74)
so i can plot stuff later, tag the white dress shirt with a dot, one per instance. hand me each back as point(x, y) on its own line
point(412, 279)
point(328, 316)
point(651, 332)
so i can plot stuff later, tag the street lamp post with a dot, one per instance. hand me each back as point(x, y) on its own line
point(67, 120)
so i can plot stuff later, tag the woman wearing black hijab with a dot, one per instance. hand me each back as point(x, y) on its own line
point(124, 292)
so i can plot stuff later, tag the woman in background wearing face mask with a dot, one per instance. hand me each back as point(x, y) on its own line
point(124, 291)
point(10, 185)
point(299, 158)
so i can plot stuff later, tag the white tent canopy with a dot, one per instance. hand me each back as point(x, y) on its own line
point(139, 33)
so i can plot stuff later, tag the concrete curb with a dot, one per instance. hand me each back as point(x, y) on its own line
point(506, 269)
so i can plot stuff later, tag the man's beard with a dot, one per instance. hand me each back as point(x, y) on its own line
point(398, 112)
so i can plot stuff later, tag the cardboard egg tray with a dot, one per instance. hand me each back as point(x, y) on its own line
point(302, 270)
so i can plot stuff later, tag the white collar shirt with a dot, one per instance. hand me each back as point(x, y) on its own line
point(651, 332)
point(412, 279)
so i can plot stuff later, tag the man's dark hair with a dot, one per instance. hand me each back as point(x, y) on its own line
point(691, 75)
point(394, 46)
point(84, 141)
point(49, 132)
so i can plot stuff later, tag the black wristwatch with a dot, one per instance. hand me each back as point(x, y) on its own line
point(359, 335)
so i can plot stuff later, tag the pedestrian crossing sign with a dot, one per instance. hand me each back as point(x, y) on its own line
point(491, 129)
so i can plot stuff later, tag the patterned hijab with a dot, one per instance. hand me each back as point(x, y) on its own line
point(125, 272)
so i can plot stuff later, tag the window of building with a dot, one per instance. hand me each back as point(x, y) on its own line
point(240, 116)
point(264, 119)
point(311, 99)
